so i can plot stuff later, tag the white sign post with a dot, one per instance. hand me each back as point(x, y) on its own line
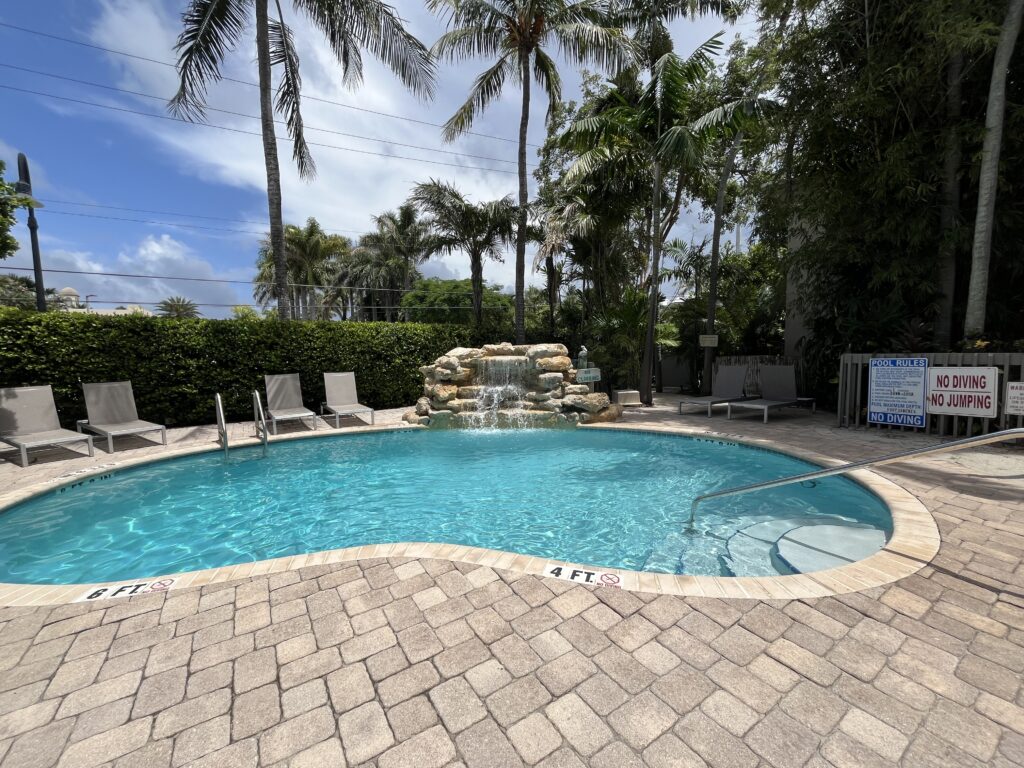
point(708, 339)
point(896, 391)
point(1014, 398)
point(963, 392)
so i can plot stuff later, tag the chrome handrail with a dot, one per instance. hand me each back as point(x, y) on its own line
point(260, 419)
point(222, 426)
point(956, 445)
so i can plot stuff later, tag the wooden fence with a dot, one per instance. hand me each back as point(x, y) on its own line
point(853, 390)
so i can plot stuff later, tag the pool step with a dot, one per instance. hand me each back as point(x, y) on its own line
point(799, 544)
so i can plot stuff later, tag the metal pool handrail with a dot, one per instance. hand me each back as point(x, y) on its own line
point(222, 427)
point(956, 445)
point(259, 418)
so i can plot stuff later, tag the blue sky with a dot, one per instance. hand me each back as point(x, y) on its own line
point(88, 162)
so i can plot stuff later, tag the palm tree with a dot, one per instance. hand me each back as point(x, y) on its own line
point(178, 307)
point(211, 28)
point(480, 230)
point(988, 178)
point(310, 255)
point(405, 235)
point(660, 130)
point(518, 32)
point(380, 272)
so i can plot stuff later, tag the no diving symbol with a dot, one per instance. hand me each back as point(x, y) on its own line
point(610, 579)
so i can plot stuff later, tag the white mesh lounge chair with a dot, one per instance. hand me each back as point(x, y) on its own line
point(110, 406)
point(778, 390)
point(284, 400)
point(342, 398)
point(28, 419)
point(727, 387)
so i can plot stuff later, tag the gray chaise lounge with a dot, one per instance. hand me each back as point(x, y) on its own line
point(342, 398)
point(110, 406)
point(28, 419)
point(284, 400)
point(778, 390)
point(727, 387)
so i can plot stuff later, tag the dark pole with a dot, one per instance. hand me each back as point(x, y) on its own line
point(24, 186)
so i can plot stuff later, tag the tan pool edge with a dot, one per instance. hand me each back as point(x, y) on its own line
point(914, 542)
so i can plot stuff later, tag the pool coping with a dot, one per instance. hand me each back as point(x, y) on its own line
point(914, 542)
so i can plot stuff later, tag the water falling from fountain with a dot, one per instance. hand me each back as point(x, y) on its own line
point(502, 397)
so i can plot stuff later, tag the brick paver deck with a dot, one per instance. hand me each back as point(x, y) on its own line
point(428, 663)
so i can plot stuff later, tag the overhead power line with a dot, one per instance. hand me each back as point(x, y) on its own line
point(171, 118)
point(164, 99)
point(219, 280)
point(342, 104)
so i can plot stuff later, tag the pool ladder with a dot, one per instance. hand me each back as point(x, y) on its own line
point(260, 419)
point(956, 445)
point(222, 425)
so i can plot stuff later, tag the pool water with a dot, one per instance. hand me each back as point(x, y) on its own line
point(599, 497)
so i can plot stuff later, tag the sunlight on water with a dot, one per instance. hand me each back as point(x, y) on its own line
point(607, 498)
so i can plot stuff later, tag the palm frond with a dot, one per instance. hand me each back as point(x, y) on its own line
point(545, 71)
point(282, 52)
point(468, 42)
point(486, 89)
point(584, 42)
point(210, 29)
point(375, 26)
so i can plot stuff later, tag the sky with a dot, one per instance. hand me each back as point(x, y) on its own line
point(143, 194)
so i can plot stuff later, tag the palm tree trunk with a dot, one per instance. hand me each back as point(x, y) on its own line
point(524, 122)
point(270, 160)
point(716, 244)
point(647, 366)
point(950, 211)
point(476, 279)
point(549, 267)
point(988, 178)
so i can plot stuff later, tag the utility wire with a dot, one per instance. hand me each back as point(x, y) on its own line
point(219, 280)
point(257, 117)
point(171, 118)
point(246, 82)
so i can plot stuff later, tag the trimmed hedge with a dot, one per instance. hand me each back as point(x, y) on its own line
point(176, 366)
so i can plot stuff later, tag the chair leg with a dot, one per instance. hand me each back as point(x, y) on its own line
point(110, 443)
point(728, 411)
point(337, 421)
point(88, 443)
point(24, 456)
point(163, 435)
point(371, 418)
point(765, 415)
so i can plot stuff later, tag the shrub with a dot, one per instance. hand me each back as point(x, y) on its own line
point(176, 366)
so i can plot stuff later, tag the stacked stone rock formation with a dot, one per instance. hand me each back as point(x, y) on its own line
point(507, 385)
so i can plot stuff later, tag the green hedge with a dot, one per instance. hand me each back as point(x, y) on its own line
point(176, 366)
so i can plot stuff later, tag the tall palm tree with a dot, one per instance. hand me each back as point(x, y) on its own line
point(988, 178)
point(405, 235)
point(659, 128)
point(212, 28)
point(520, 33)
point(480, 230)
point(178, 307)
point(310, 256)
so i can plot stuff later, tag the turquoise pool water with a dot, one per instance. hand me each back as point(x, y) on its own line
point(605, 498)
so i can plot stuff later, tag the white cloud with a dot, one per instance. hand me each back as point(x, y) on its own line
point(159, 256)
point(350, 187)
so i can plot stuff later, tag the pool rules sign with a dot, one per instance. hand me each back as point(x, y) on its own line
point(963, 392)
point(896, 391)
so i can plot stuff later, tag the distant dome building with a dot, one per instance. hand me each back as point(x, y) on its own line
point(69, 297)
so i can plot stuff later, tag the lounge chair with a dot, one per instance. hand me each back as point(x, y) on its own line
point(110, 406)
point(28, 419)
point(342, 398)
point(284, 400)
point(727, 387)
point(778, 390)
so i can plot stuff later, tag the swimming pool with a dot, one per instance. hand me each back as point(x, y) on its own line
point(610, 498)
